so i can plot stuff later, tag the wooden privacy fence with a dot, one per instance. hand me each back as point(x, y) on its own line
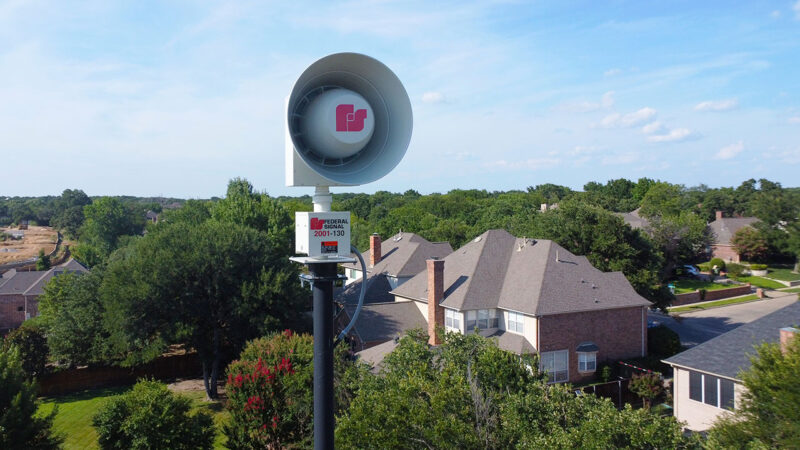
point(82, 378)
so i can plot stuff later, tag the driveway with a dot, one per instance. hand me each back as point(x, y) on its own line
point(700, 326)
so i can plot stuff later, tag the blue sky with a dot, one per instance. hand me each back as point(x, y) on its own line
point(174, 98)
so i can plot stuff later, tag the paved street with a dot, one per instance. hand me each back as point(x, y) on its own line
point(697, 327)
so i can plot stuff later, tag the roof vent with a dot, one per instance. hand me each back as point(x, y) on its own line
point(594, 286)
point(477, 239)
point(596, 300)
point(519, 247)
point(557, 256)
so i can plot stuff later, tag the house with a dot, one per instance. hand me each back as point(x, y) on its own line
point(532, 297)
point(707, 378)
point(19, 293)
point(724, 229)
point(151, 216)
point(636, 221)
point(389, 264)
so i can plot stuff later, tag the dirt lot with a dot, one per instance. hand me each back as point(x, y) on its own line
point(28, 247)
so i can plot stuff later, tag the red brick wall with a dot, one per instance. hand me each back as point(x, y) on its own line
point(618, 333)
point(10, 318)
point(694, 297)
point(725, 252)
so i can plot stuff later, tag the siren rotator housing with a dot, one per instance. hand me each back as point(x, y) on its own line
point(318, 155)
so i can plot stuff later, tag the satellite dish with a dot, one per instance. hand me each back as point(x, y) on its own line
point(348, 122)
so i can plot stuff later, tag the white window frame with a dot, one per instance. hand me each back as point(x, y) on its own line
point(560, 376)
point(516, 322)
point(718, 387)
point(587, 362)
point(452, 319)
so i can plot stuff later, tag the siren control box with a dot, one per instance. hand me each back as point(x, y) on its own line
point(322, 233)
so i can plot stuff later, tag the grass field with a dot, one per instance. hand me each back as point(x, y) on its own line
point(75, 412)
point(785, 274)
point(729, 301)
point(761, 282)
point(684, 286)
point(792, 290)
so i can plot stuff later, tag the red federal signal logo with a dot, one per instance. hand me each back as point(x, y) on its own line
point(316, 224)
point(349, 120)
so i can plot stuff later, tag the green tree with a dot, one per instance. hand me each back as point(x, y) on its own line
point(750, 244)
point(767, 415)
point(20, 426)
point(42, 261)
point(647, 386)
point(150, 416)
point(681, 239)
point(212, 286)
point(662, 199)
point(31, 343)
point(72, 315)
point(107, 220)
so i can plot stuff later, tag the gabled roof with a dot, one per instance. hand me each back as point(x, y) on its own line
point(404, 255)
point(729, 354)
point(378, 288)
point(634, 219)
point(32, 283)
point(385, 321)
point(725, 228)
point(537, 277)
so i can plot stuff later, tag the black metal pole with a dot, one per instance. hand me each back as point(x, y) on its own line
point(323, 275)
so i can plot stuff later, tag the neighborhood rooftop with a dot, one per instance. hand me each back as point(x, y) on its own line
point(404, 255)
point(537, 277)
point(724, 228)
point(729, 354)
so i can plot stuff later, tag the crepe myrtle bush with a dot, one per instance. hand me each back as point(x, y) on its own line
point(267, 389)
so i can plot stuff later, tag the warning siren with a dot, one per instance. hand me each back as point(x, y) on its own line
point(348, 122)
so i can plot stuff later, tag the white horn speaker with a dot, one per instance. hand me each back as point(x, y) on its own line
point(348, 122)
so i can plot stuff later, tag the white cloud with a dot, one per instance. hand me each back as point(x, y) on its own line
point(653, 128)
point(719, 105)
point(612, 72)
point(796, 9)
point(532, 164)
point(621, 158)
point(606, 101)
point(794, 120)
point(433, 97)
point(775, 14)
point(674, 135)
point(628, 120)
point(730, 151)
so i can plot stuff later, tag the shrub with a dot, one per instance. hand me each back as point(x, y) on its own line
point(270, 395)
point(151, 416)
point(702, 293)
point(758, 266)
point(20, 426)
point(31, 342)
point(647, 386)
point(662, 341)
point(719, 262)
point(735, 270)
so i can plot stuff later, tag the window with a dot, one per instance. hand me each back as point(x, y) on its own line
point(711, 390)
point(587, 362)
point(556, 365)
point(20, 308)
point(452, 319)
point(515, 321)
point(482, 318)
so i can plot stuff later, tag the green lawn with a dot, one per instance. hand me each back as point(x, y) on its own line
point(75, 412)
point(792, 290)
point(761, 282)
point(729, 301)
point(684, 286)
point(784, 274)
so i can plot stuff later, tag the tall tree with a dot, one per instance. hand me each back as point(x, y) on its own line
point(767, 415)
point(680, 239)
point(107, 220)
point(212, 286)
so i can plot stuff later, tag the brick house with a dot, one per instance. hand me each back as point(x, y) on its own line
point(533, 296)
point(707, 381)
point(390, 263)
point(724, 229)
point(19, 293)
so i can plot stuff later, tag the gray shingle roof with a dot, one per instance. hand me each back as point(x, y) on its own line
point(404, 255)
point(634, 219)
point(32, 283)
point(515, 343)
point(536, 277)
point(728, 354)
point(725, 228)
point(378, 288)
point(385, 321)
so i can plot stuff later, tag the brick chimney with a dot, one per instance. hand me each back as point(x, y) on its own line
point(435, 296)
point(787, 334)
point(719, 215)
point(374, 249)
